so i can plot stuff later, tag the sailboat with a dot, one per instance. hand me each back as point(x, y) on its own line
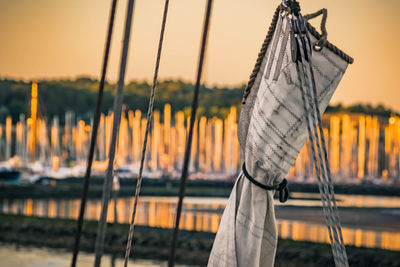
point(8, 174)
point(294, 78)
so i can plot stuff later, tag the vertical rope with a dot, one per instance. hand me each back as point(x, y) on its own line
point(93, 138)
point(148, 125)
point(327, 166)
point(195, 101)
point(333, 219)
point(118, 101)
point(332, 224)
point(317, 169)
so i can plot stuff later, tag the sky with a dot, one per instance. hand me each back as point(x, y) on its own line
point(65, 39)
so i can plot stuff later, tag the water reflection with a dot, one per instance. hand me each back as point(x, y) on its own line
point(357, 237)
point(357, 201)
point(204, 214)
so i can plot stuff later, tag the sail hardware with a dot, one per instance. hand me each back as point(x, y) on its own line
point(291, 6)
point(298, 27)
point(284, 6)
point(281, 187)
point(318, 45)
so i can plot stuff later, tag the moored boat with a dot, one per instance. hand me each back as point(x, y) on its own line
point(8, 175)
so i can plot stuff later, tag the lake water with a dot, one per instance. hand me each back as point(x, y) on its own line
point(12, 256)
point(204, 214)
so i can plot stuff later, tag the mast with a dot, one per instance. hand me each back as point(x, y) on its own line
point(34, 101)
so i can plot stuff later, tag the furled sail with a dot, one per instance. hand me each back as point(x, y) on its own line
point(272, 130)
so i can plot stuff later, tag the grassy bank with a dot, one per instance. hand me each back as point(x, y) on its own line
point(153, 243)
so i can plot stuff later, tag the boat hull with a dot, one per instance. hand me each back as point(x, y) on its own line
point(10, 176)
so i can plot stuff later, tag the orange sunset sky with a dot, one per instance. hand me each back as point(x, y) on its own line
point(65, 39)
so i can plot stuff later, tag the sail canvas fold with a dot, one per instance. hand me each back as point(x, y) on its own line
point(272, 131)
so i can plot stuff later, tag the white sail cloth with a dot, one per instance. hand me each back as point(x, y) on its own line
point(272, 131)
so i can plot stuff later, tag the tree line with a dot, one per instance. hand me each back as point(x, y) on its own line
point(56, 97)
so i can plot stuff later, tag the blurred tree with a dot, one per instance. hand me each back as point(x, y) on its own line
point(56, 97)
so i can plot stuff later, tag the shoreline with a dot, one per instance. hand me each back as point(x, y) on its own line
point(72, 188)
point(153, 243)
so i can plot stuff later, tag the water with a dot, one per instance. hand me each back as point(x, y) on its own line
point(357, 201)
point(10, 256)
point(375, 227)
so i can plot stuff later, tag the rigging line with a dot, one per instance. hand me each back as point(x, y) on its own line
point(335, 227)
point(323, 161)
point(335, 250)
point(195, 103)
point(205, 63)
point(118, 101)
point(325, 153)
point(93, 138)
point(148, 125)
point(331, 223)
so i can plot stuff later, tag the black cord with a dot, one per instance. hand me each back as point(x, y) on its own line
point(148, 125)
point(93, 138)
point(195, 103)
point(281, 188)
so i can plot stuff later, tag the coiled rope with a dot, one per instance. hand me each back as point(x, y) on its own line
point(148, 126)
point(118, 101)
point(93, 137)
point(188, 148)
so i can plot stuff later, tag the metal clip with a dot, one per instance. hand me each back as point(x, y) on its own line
point(299, 29)
point(294, 47)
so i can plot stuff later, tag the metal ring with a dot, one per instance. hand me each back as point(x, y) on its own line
point(317, 47)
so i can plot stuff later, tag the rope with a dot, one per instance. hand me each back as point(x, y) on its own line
point(268, 39)
point(118, 101)
point(329, 45)
point(281, 187)
point(261, 54)
point(93, 138)
point(325, 185)
point(322, 37)
point(291, 6)
point(327, 179)
point(317, 170)
point(324, 34)
point(148, 125)
point(195, 101)
point(327, 166)
point(331, 216)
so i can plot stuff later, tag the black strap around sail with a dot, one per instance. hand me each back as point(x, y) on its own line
point(281, 188)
